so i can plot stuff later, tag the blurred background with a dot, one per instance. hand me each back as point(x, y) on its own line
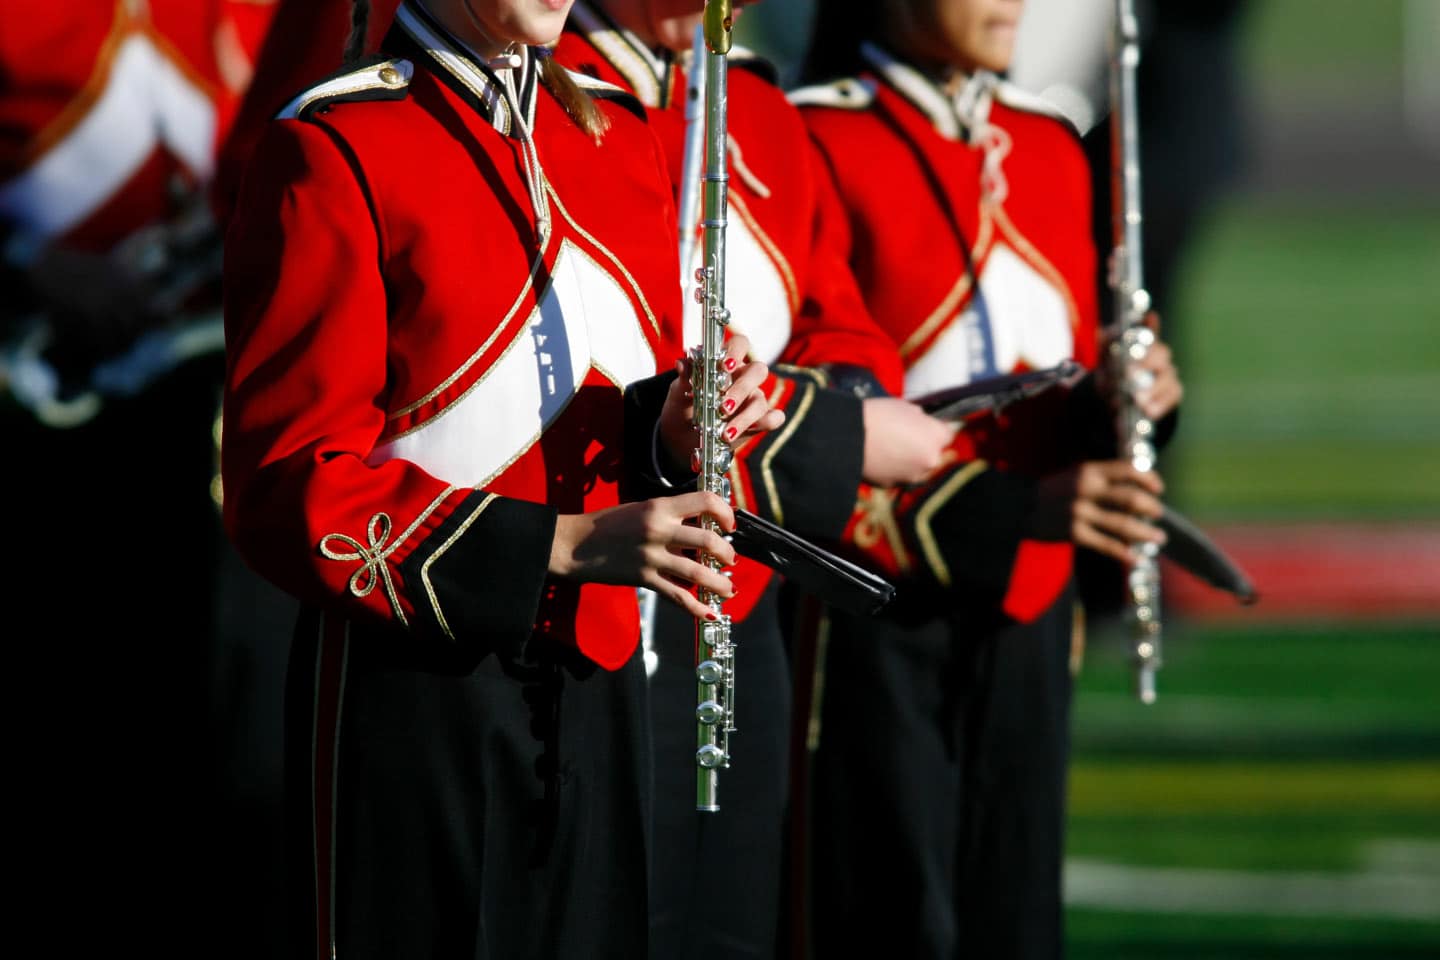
point(1282, 797)
point(1280, 800)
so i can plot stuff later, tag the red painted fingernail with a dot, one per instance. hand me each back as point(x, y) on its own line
point(730, 363)
point(711, 616)
point(730, 434)
point(728, 405)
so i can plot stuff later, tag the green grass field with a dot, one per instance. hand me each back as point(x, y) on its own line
point(1281, 799)
point(1310, 343)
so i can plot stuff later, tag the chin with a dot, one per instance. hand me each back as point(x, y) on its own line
point(996, 59)
point(539, 22)
point(542, 30)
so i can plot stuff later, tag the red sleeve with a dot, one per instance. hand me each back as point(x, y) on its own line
point(306, 343)
point(833, 325)
point(303, 43)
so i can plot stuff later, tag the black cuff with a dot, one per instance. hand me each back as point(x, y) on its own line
point(806, 473)
point(1089, 423)
point(969, 527)
point(478, 578)
point(644, 464)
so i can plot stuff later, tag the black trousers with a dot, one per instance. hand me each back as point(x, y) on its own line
point(937, 795)
point(480, 807)
point(109, 581)
point(718, 877)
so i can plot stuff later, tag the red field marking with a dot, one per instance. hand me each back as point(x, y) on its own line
point(1320, 571)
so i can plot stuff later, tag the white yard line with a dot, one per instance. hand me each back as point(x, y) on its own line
point(1398, 887)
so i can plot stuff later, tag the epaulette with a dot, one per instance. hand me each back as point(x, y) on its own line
point(848, 94)
point(1017, 98)
point(743, 58)
point(371, 78)
point(601, 90)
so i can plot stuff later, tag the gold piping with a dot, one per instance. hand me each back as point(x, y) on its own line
point(771, 250)
point(449, 541)
point(817, 681)
point(766, 472)
point(375, 554)
point(877, 518)
point(635, 287)
point(1037, 260)
point(944, 313)
point(927, 510)
point(474, 357)
point(327, 93)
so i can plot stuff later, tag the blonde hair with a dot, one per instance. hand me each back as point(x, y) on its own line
point(577, 103)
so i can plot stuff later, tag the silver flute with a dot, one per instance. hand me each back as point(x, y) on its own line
point(714, 651)
point(1130, 338)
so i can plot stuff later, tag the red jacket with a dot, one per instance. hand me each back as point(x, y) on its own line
point(788, 286)
point(420, 377)
point(940, 189)
point(304, 45)
point(106, 105)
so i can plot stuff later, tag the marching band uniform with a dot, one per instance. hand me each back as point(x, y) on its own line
point(111, 115)
point(469, 746)
point(944, 733)
point(719, 877)
point(298, 52)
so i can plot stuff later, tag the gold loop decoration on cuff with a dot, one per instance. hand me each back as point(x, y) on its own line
point(373, 569)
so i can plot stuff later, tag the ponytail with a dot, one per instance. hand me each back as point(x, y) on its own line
point(577, 103)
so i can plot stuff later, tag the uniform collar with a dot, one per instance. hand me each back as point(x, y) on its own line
point(958, 116)
point(650, 74)
point(469, 74)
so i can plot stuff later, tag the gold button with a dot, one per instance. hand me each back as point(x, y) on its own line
point(389, 76)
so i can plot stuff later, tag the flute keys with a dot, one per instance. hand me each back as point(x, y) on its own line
point(1140, 586)
point(1142, 456)
point(708, 671)
point(709, 712)
point(1140, 303)
point(710, 756)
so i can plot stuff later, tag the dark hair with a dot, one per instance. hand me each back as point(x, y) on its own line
point(359, 28)
point(836, 34)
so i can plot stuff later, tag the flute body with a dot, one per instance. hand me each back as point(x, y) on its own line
point(1130, 338)
point(714, 649)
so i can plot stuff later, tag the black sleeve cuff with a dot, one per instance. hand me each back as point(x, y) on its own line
point(806, 473)
point(1091, 423)
point(969, 527)
point(645, 465)
point(478, 578)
